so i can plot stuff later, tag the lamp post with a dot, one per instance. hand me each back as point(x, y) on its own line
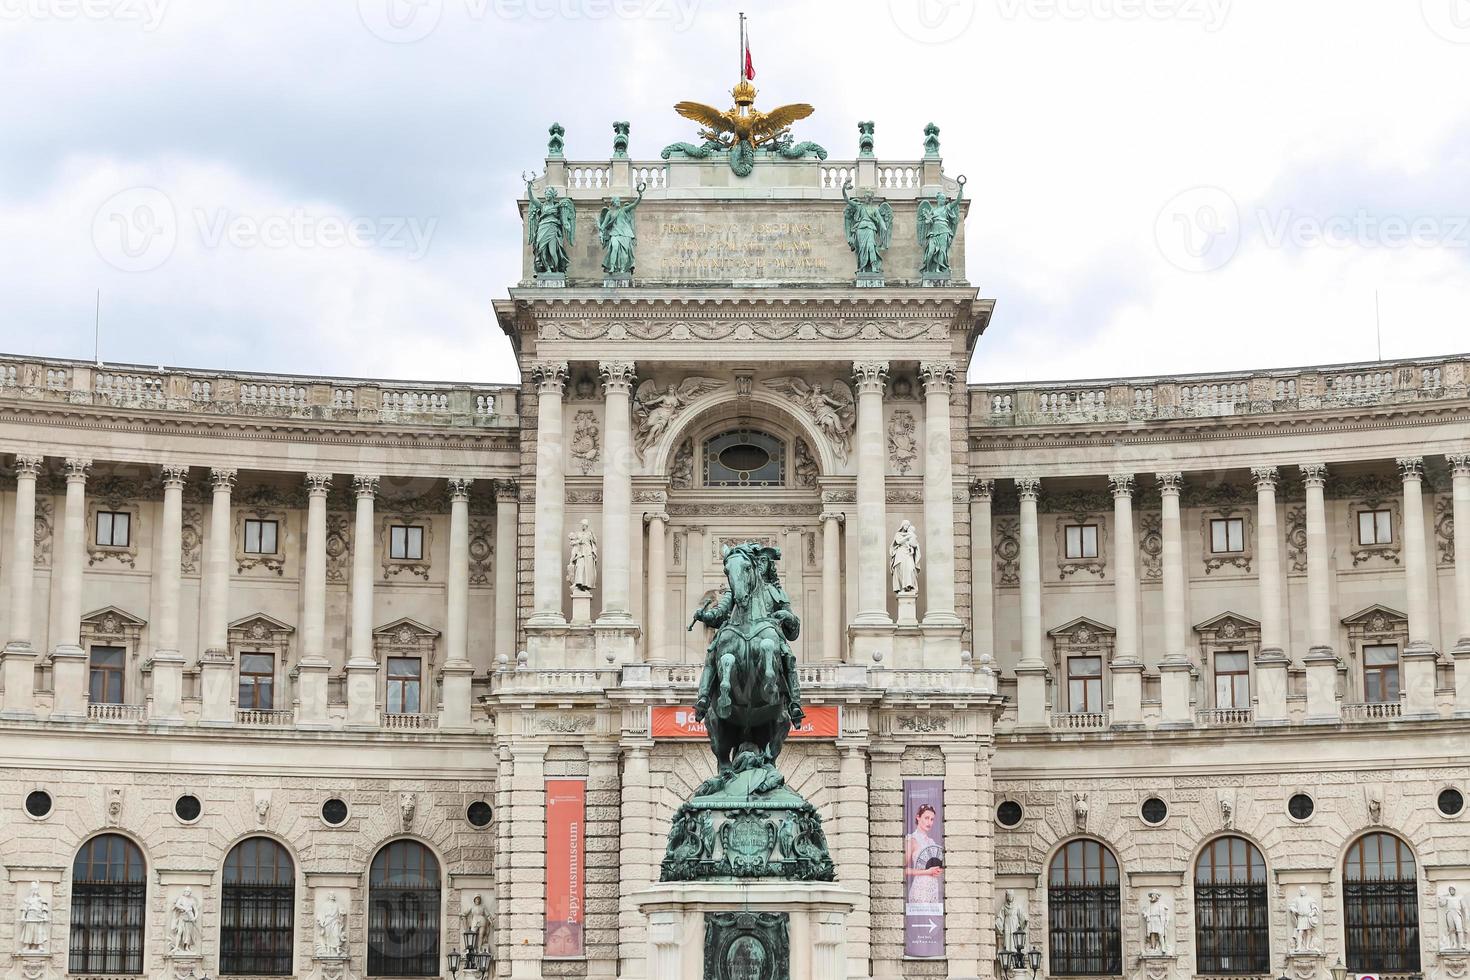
point(474, 960)
point(1016, 958)
point(1339, 972)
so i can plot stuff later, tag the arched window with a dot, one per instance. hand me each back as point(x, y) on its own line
point(744, 458)
point(256, 905)
point(1381, 906)
point(403, 912)
point(108, 882)
point(1232, 932)
point(1083, 906)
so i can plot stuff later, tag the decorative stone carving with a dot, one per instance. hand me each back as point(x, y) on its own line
point(565, 724)
point(681, 470)
point(1305, 917)
point(1389, 551)
point(1158, 918)
point(1444, 529)
point(903, 560)
point(45, 531)
point(1079, 811)
point(1151, 545)
point(1094, 565)
point(405, 514)
point(339, 547)
point(1296, 539)
point(921, 724)
point(475, 920)
point(654, 411)
point(586, 444)
point(183, 925)
point(115, 496)
point(191, 541)
point(331, 928)
point(806, 467)
point(407, 807)
point(33, 933)
point(482, 551)
point(262, 507)
point(903, 445)
point(1236, 559)
point(114, 805)
point(745, 944)
point(1008, 551)
point(582, 566)
point(1452, 934)
point(1226, 797)
point(832, 408)
point(262, 809)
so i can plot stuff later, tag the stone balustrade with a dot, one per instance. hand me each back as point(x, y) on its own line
point(1213, 395)
point(352, 401)
point(592, 179)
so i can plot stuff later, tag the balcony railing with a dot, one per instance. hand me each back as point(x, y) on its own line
point(409, 722)
point(264, 717)
point(117, 712)
point(1372, 710)
point(1224, 717)
point(1080, 721)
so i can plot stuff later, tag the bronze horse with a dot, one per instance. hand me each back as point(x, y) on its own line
point(749, 695)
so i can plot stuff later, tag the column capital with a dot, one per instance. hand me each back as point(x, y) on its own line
point(1121, 484)
point(364, 486)
point(507, 491)
point(1029, 487)
point(617, 376)
point(1265, 477)
point(223, 478)
point(459, 489)
point(869, 376)
point(317, 484)
point(174, 477)
point(77, 469)
point(1411, 468)
point(1459, 463)
point(28, 465)
point(982, 489)
point(937, 376)
point(1170, 484)
point(655, 515)
point(832, 515)
point(550, 376)
point(1314, 475)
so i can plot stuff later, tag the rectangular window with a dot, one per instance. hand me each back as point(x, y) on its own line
point(260, 537)
point(406, 542)
point(1084, 685)
point(1232, 679)
point(1375, 527)
point(257, 681)
point(1081, 540)
point(1381, 674)
point(105, 680)
point(112, 528)
point(1227, 535)
point(403, 685)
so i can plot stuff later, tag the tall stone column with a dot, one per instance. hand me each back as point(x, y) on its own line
point(1127, 668)
point(313, 667)
point(617, 493)
point(1460, 474)
point(20, 651)
point(216, 671)
point(655, 631)
point(1419, 656)
point(694, 566)
point(832, 639)
point(1321, 660)
point(454, 708)
point(1031, 671)
point(1271, 660)
point(167, 662)
point(362, 664)
point(68, 659)
point(793, 574)
point(1174, 670)
point(506, 512)
point(551, 493)
point(982, 571)
point(872, 500)
point(938, 379)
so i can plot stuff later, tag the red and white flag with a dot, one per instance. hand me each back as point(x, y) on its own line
point(748, 68)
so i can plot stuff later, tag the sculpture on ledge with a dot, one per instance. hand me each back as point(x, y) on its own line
point(745, 822)
point(939, 223)
point(1157, 917)
point(551, 225)
point(867, 222)
point(1453, 907)
point(1305, 917)
point(331, 928)
point(34, 934)
point(619, 236)
point(183, 927)
point(582, 569)
point(903, 560)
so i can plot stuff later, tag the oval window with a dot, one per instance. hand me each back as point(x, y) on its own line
point(744, 458)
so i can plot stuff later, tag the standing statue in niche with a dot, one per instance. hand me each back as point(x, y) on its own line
point(1011, 919)
point(867, 223)
point(34, 934)
point(1156, 916)
point(903, 560)
point(1305, 917)
point(551, 225)
point(476, 922)
point(582, 569)
point(1453, 907)
point(331, 928)
point(939, 223)
point(615, 227)
point(183, 924)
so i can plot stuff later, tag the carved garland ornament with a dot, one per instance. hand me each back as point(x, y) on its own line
point(903, 446)
point(1008, 551)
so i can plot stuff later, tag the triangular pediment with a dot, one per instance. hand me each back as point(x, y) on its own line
point(1081, 623)
point(114, 616)
point(1216, 622)
point(398, 626)
point(260, 622)
point(1367, 613)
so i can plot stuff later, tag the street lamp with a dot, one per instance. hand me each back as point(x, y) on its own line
point(1339, 972)
point(1016, 958)
point(474, 960)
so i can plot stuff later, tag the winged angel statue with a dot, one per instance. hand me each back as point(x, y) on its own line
point(868, 224)
point(939, 222)
point(743, 128)
point(551, 225)
point(656, 410)
point(832, 408)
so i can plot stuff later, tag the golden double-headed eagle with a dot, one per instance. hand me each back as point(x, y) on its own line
point(743, 123)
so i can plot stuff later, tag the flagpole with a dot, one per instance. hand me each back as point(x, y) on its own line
point(741, 69)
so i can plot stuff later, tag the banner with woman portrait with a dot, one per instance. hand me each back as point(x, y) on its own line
point(923, 867)
point(566, 826)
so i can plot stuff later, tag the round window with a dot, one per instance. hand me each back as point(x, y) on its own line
point(1451, 802)
point(187, 808)
point(1154, 810)
point(479, 814)
point(744, 457)
point(1008, 813)
point(334, 812)
point(38, 803)
point(1300, 806)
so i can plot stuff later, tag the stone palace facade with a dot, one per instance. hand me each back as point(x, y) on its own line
point(294, 684)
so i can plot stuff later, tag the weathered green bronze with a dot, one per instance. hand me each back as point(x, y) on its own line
point(620, 140)
point(939, 222)
point(865, 139)
point(619, 236)
point(931, 141)
point(551, 225)
point(747, 946)
point(556, 141)
point(868, 224)
point(745, 822)
point(742, 130)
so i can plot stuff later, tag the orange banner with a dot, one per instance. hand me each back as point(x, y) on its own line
point(566, 824)
point(676, 721)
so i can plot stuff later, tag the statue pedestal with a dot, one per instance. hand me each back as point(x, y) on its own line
point(581, 608)
point(31, 966)
point(697, 928)
point(552, 280)
point(1304, 965)
point(908, 610)
point(868, 280)
point(1450, 964)
point(936, 279)
point(616, 281)
point(182, 966)
point(325, 966)
point(1156, 966)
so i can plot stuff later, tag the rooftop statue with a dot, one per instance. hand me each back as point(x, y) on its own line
point(868, 224)
point(939, 222)
point(619, 236)
point(551, 225)
point(742, 129)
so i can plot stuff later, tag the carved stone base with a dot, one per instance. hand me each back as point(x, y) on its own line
point(1156, 966)
point(31, 966)
point(1451, 964)
point(616, 282)
point(581, 608)
point(325, 967)
point(182, 966)
point(551, 280)
point(908, 606)
point(868, 280)
point(936, 279)
point(1304, 966)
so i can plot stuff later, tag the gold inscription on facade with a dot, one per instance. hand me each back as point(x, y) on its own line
point(759, 250)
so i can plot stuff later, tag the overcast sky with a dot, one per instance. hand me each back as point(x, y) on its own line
point(1160, 186)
